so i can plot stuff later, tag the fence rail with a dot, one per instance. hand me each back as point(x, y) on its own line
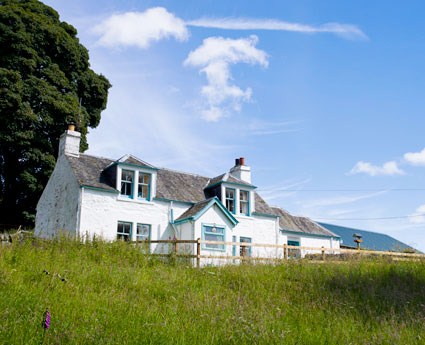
point(285, 250)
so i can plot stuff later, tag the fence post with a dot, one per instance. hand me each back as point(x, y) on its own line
point(323, 253)
point(285, 251)
point(176, 247)
point(198, 252)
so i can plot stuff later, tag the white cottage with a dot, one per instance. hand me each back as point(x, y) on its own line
point(131, 200)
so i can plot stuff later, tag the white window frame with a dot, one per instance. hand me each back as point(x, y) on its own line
point(245, 202)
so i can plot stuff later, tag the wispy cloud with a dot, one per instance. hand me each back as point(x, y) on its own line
point(415, 158)
point(388, 168)
point(339, 200)
point(344, 30)
point(418, 217)
point(214, 57)
point(140, 29)
point(283, 189)
point(260, 127)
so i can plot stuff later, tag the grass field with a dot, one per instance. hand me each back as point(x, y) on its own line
point(110, 293)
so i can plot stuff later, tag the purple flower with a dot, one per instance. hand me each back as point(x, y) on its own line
point(46, 319)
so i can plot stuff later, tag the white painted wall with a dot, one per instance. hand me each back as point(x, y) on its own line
point(101, 212)
point(58, 207)
point(261, 230)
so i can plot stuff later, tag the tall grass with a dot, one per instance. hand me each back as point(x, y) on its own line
point(111, 293)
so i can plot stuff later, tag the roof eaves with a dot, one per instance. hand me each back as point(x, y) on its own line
point(204, 209)
point(308, 234)
point(264, 214)
point(114, 191)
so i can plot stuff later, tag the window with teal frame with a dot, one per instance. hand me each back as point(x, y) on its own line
point(234, 239)
point(245, 250)
point(143, 190)
point(244, 202)
point(213, 233)
point(124, 231)
point(230, 200)
point(293, 243)
point(127, 177)
point(143, 232)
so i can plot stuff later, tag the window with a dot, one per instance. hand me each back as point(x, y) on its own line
point(127, 178)
point(124, 231)
point(143, 186)
point(213, 233)
point(230, 200)
point(244, 202)
point(245, 250)
point(234, 239)
point(294, 252)
point(143, 232)
point(294, 243)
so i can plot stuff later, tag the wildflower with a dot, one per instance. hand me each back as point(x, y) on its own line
point(46, 319)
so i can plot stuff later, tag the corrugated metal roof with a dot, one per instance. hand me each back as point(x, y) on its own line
point(371, 240)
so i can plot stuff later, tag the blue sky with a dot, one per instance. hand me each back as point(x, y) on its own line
point(324, 99)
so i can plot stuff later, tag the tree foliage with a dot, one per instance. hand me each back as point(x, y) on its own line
point(45, 83)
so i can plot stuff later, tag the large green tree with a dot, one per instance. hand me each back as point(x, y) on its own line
point(45, 83)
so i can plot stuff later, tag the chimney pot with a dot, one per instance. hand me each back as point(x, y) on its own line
point(71, 126)
point(242, 161)
point(236, 162)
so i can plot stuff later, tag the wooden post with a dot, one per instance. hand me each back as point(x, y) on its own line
point(244, 250)
point(176, 246)
point(198, 252)
point(323, 253)
point(285, 251)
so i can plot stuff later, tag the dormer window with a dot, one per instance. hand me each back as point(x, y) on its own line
point(127, 178)
point(244, 202)
point(230, 200)
point(144, 186)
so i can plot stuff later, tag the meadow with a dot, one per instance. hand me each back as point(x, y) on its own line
point(113, 293)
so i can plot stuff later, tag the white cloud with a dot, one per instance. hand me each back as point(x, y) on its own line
point(419, 216)
point(140, 29)
point(214, 57)
point(415, 158)
point(344, 30)
point(388, 168)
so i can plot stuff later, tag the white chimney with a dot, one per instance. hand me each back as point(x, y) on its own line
point(241, 171)
point(69, 143)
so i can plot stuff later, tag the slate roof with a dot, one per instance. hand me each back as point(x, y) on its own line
point(300, 224)
point(371, 240)
point(193, 210)
point(129, 159)
point(180, 186)
point(88, 171)
point(171, 185)
point(227, 178)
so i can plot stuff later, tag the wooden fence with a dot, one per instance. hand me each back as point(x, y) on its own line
point(283, 251)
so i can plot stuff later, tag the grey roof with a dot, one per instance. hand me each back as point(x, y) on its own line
point(129, 159)
point(88, 171)
point(227, 178)
point(192, 211)
point(261, 206)
point(300, 224)
point(171, 185)
point(180, 186)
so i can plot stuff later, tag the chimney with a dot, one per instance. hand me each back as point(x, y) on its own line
point(241, 171)
point(69, 142)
